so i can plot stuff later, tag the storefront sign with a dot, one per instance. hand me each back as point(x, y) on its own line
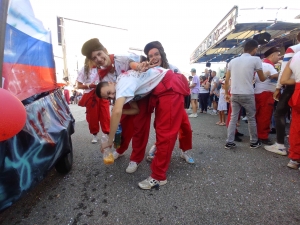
point(224, 28)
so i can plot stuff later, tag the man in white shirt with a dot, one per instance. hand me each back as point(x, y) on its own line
point(195, 88)
point(241, 71)
point(264, 95)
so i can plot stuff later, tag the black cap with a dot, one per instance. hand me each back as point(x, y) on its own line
point(153, 44)
point(271, 50)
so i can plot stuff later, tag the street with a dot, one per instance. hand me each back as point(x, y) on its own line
point(237, 186)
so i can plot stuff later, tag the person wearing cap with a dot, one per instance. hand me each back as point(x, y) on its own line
point(97, 110)
point(195, 89)
point(241, 71)
point(291, 76)
point(155, 52)
point(167, 95)
point(282, 106)
point(263, 91)
point(109, 67)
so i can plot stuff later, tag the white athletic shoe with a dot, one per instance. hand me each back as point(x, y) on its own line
point(94, 139)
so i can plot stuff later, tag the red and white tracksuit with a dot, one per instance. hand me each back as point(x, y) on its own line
point(168, 100)
point(264, 103)
point(139, 131)
point(97, 111)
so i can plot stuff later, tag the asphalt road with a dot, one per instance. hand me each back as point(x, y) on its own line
point(240, 186)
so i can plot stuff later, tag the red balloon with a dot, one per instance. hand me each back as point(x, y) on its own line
point(12, 115)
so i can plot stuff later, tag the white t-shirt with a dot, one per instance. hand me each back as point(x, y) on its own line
point(134, 85)
point(93, 77)
point(268, 84)
point(121, 66)
point(242, 71)
point(289, 53)
point(295, 66)
point(214, 82)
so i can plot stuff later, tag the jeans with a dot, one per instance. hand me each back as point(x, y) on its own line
point(203, 101)
point(248, 102)
point(281, 111)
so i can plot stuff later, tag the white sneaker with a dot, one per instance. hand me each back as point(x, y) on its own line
point(187, 157)
point(151, 153)
point(193, 115)
point(95, 139)
point(274, 148)
point(116, 154)
point(245, 118)
point(150, 183)
point(132, 167)
point(214, 113)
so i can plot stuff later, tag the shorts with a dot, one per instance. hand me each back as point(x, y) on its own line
point(194, 96)
point(214, 98)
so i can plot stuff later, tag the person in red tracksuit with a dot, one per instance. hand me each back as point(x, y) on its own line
point(263, 93)
point(155, 52)
point(141, 121)
point(109, 66)
point(293, 69)
point(97, 110)
point(167, 96)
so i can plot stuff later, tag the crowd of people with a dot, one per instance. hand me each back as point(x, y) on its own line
point(137, 88)
point(255, 89)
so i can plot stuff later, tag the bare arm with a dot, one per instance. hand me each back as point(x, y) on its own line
point(85, 86)
point(133, 110)
point(228, 75)
point(114, 122)
point(286, 75)
point(261, 75)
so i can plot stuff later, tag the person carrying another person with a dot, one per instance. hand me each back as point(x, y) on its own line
point(155, 52)
point(283, 107)
point(195, 87)
point(263, 91)
point(241, 71)
point(291, 76)
point(167, 92)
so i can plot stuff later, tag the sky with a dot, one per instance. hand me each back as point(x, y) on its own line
point(180, 25)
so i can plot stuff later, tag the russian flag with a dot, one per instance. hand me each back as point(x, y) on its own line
point(28, 65)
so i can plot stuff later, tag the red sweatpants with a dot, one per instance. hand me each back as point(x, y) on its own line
point(97, 110)
point(141, 132)
point(127, 130)
point(294, 138)
point(169, 115)
point(67, 96)
point(185, 135)
point(264, 103)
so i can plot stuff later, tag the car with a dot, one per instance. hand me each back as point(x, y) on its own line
point(29, 74)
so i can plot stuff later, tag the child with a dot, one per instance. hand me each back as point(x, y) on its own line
point(222, 106)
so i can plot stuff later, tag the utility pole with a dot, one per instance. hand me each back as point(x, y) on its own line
point(3, 18)
point(63, 45)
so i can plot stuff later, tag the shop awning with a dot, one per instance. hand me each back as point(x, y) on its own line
point(226, 41)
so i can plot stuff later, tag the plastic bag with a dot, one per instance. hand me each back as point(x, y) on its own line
point(108, 157)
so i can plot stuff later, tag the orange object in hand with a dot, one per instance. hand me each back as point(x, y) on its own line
point(108, 159)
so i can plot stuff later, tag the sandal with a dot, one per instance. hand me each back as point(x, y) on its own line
point(222, 124)
point(218, 123)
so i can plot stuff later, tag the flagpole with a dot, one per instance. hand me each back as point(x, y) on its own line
point(3, 18)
